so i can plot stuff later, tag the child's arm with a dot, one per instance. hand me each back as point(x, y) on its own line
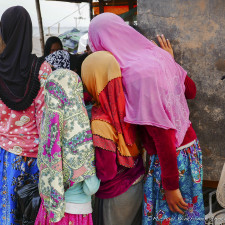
point(91, 185)
point(165, 146)
point(106, 167)
point(44, 72)
point(164, 141)
point(190, 88)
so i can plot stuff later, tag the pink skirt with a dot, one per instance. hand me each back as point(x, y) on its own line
point(68, 219)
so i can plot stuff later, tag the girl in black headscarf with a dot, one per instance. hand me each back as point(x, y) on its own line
point(22, 76)
point(52, 44)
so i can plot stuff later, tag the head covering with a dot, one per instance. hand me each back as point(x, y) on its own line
point(19, 83)
point(102, 77)
point(2, 44)
point(66, 152)
point(153, 82)
point(76, 61)
point(59, 60)
point(50, 41)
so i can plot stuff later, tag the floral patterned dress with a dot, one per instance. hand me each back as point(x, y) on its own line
point(155, 207)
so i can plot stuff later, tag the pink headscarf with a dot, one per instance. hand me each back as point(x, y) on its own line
point(153, 82)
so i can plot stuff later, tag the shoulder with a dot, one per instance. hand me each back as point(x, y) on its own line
point(44, 72)
point(64, 85)
point(64, 77)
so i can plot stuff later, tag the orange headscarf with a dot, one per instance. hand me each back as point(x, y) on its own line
point(102, 77)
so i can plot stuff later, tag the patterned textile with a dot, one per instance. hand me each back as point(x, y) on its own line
point(59, 60)
point(15, 171)
point(156, 210)
point(66, 152)
point(68, 219)
point(19, 129)
point(102, 77)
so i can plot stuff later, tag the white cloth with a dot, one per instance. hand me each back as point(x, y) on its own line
point(74, 208)
point(186, 146)
point(220, 193)
point(82, 43)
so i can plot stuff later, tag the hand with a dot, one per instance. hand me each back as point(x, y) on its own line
point(175, 201)
point(165, 44)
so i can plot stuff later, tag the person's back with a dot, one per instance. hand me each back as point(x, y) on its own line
point(119, 165)
point(22, 75)
point(155, 93)
point(66, 153)
point(19, 130)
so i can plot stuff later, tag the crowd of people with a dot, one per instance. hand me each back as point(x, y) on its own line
point(92, 167)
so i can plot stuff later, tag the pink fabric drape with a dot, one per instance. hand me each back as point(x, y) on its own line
point(153, 82)
point(69, 219)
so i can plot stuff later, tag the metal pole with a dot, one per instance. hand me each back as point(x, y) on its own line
point(91, 9)
point(131, 6)
point(40, 25)
point(101, 6)
point(58, 28)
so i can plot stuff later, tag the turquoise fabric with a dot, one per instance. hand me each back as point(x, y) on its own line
point(81, 192)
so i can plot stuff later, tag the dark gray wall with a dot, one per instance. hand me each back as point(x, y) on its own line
point(196, 29)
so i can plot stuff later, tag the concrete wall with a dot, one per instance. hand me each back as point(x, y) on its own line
point(196, 29)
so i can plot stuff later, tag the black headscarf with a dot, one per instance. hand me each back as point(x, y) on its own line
point(50, 41)
point(19, 83)
point(76, 62)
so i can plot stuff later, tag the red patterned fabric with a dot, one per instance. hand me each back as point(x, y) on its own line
point(112, 111)
point(104, 143)
point(109, 145)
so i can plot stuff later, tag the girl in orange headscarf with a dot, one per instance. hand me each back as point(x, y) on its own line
point(118, 162)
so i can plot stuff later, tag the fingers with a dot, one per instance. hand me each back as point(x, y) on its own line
point(171, 208)
point(164, 41)
point(182, 206)
point(165, 44)
point(183, 203)
point(168, 43)
point(177, 209)
point(161, 42)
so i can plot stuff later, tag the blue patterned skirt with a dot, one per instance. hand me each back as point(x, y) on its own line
point(15, 171)
point(155, 207)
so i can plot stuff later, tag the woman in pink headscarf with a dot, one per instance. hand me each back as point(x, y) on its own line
point(156, 88)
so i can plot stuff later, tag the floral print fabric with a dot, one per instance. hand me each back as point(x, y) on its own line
point(68, 219)
point(59, 60)
point(156, 210)
point(15, 171)
point(66, 152)
point(19, 129)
